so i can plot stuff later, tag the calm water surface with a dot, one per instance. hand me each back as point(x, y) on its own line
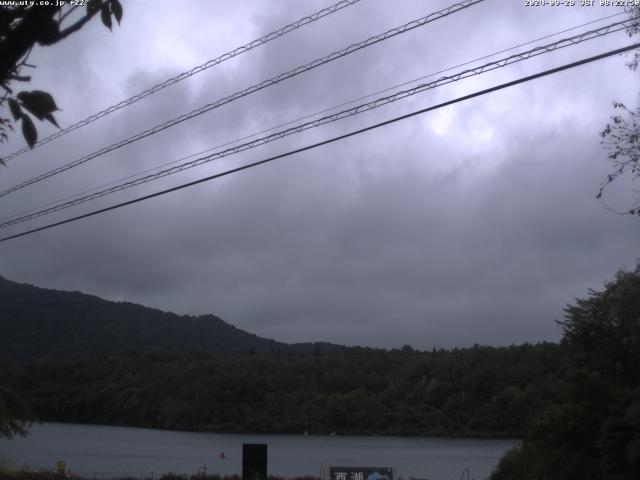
point(101, 452)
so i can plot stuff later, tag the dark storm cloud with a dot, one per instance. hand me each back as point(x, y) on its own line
point(472, 224)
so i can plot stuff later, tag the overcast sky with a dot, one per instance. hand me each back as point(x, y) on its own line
point(475, 223)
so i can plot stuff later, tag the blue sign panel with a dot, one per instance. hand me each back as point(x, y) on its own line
point(360, 473)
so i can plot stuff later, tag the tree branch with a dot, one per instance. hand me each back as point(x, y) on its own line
point(20, 78)
point(76, 26)
point(35, 27)
point(66, 14)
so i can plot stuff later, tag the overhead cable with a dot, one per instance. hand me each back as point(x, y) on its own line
point(254, 88)
point(562, 43)
point(330, 140)
point(304, 117)
point(184, 75)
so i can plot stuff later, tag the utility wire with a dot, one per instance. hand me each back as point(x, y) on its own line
point(195, 70)
point(311, 115)
point(331, 140)
point(562, 43)
point(254, 88)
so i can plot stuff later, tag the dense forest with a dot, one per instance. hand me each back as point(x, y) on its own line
point(591, 431)
point(78, 358)
point(576, 404)
point(480, 391)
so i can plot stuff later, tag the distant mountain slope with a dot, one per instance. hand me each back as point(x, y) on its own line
point(42, 323)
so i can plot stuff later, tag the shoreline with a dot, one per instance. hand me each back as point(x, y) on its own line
point(477, 436)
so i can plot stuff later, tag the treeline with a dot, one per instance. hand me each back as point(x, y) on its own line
point(591, 431)
point(479, 391)
point(576, 405)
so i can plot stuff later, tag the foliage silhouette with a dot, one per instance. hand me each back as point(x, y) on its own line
point(22, 26)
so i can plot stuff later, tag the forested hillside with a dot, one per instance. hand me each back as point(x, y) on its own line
point(78, 358)
point(42, 323)
point(591, 431)
point(481, 391)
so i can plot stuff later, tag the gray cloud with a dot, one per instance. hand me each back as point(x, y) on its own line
point(472, 224)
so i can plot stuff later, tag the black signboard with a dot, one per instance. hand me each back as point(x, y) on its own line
point(360, 473)
point(254, 461)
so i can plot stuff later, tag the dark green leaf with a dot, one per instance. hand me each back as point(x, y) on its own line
point(29, 130)
point(14, 107)
point(116, 8)
point(37, 102)
point(93, 6)
point(49, 117)
point(105, 15)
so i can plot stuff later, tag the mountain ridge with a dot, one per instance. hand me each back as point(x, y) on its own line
point(46, 323)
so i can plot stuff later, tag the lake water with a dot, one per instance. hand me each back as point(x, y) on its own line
point(105, 452)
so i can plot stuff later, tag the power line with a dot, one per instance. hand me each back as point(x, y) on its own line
point(195, 70)
point(327, 119)
point(331, 140)
point(562, 43)
point(311, 115)
point(254, 88)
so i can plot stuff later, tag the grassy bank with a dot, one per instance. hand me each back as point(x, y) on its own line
point(30, 475)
